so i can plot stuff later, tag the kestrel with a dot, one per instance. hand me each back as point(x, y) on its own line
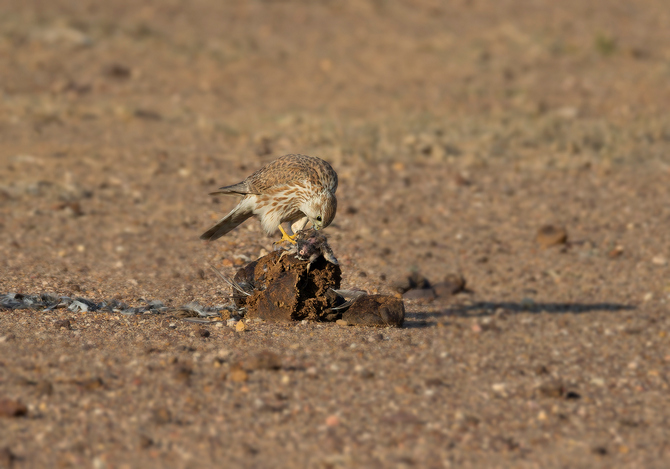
point(292, 190)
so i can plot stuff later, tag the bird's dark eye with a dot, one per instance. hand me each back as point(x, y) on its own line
point(318, 218)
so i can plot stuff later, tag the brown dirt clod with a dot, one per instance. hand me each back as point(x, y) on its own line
point(12, 408)
point(376, 310)
point(288, 289)
point(550, 235)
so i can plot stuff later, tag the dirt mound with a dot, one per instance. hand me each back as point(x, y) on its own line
point(284, 288)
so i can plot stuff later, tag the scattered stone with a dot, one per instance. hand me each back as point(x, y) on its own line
point(145, 442)
point(376, 310)
point(117, 71)
point(91, 384)
point(161, 416)
point(203, 333)
point(659, 260)
point(63, 324)
point(451, 285)
point(423, 295)
point(332, 420)
point(402, 418)
point(147, 114)
point(600, 450)
point(414, 281)
point(376, 337)
point(554, 389)
point(541, 370)
point(557, 390)
point(366, 374)
point(616, 252)
point(237, 374)
point(342, 323)
point(183, 374)
point(264, 360)
point(550, 235)
point(62, 35)
point(435, 382)
point(240, 326)
point(44, 388)
point(499, 389)
point(12, 408)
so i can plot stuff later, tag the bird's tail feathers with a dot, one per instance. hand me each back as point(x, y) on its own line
point(237, 216)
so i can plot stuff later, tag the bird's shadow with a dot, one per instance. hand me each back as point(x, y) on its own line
point(483, 309)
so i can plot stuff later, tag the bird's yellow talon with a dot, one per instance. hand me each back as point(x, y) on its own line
point(286, 237)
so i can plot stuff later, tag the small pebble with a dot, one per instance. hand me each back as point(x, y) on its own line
point(332, 421)
point(616, 252)
point(203, 333)
point(413, 281)
point(64, 324)
point(451, 285)
point(238, 375)
point(145, 441)
point(12, 408)
point(659, 260)
point(44, 388)
point(376, 337)
point(264, 360)
point(91, 384)
point(416, 294)
point(183, 373)
point(550, 235)
point(161, 416)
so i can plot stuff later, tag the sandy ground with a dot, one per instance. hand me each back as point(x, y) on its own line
point(457, 130)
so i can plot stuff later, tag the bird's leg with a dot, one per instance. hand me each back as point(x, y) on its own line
point(286, 237)
point(299, 225)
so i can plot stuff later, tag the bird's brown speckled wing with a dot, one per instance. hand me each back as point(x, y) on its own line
point(290, 169)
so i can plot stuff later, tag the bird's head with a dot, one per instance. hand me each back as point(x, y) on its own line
point(320, 210)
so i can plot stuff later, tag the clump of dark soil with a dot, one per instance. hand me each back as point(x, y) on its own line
point(284, 288)
point(376, 310)
point(303, 283)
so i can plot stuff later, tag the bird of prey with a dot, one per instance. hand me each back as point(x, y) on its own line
point(292, 190)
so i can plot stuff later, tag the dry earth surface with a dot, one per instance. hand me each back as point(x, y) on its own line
point(458, 129)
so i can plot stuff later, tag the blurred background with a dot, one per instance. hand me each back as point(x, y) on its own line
point(117, 118)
